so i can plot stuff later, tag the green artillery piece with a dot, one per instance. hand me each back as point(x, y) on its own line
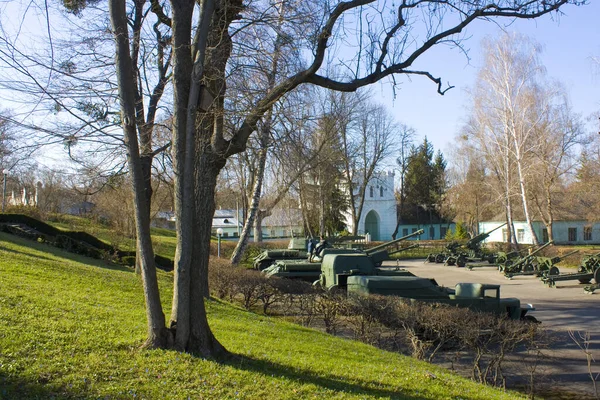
point(310, 270)
point(296, 251)
point(459, 254)
point(380, 253)
point(357, 274)
point(502, 257)
point(588, 269)
point(542, 265)
point(523, 264)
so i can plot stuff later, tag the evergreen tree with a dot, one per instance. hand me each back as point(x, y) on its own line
point(425, 183)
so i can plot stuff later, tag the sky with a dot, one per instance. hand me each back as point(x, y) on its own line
point(569, 42)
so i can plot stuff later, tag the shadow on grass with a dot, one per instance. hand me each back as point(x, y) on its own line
point(356, 387)
point(60, 253)
point(15, 388)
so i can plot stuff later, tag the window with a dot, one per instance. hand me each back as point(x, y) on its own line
point(505, 235)
point(225, 234)
point(431, 232)
point(404, 231)
point(572, 234)
point(520, 235)
point(284, 233)
point(235, 234)
point(443, 232)
point(545, 235)
point(380, 191)
point(272, 232)
point(587, 233)
point(371, 191)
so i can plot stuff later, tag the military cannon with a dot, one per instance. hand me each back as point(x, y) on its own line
point(588, 268)
point(380, 253)
point(296, 251)
point(459, 254)
point(357, 274)
point(542, 265)
point(523, 264)
point(310, 270)
point(502, 257)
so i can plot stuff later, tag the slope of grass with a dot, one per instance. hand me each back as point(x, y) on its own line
point(71, 327)
point(164, 240)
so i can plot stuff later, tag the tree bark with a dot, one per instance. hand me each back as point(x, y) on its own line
point(158, 335)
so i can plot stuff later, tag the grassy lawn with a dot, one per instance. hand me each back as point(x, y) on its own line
point(164, 240)
point(72, 327)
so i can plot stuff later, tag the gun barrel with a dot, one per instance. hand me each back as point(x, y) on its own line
point(569, 254)
point(391, 242)
point(482, 236)
point(542, 247)
point(498, 227)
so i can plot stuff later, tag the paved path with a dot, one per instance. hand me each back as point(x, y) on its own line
point(560, 309)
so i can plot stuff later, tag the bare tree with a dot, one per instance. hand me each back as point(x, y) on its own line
point(559, 135)
point(510, 110)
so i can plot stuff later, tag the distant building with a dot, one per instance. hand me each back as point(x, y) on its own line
point(435, 227)
point(378, 218)
point(564, 232)
point(283, 222)
point(226, 220)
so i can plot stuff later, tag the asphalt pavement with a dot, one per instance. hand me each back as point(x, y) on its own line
point(560, 309)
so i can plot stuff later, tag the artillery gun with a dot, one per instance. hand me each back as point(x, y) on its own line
point(296, 251)
point(523, 264)
point(502, 257)
point(310, 270)
point(542, 265)
point(357, 274)
point(459, 254)
point(588, 269)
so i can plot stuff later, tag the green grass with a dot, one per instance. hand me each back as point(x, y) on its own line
point(72, 327)
point(164, 240)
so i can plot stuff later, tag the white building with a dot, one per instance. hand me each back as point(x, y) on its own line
point(378, 217)
point(564, 232)
point(226, 220)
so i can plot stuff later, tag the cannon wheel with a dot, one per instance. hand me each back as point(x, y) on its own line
point(585, 280)
point(461, 262)
point(528, 267)
point(439, 258)
point(597, 275)
point(553, 271)
point(431, 258)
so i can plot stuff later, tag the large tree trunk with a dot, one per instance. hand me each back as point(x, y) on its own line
point(158, 335)
point(201, 340)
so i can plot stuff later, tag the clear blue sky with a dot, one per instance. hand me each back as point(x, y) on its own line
point(569, 43)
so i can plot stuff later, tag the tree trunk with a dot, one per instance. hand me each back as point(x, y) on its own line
point(258, 230)
point(249, 222)
point(524, 192)
point(201, 339)
point(158, 335)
